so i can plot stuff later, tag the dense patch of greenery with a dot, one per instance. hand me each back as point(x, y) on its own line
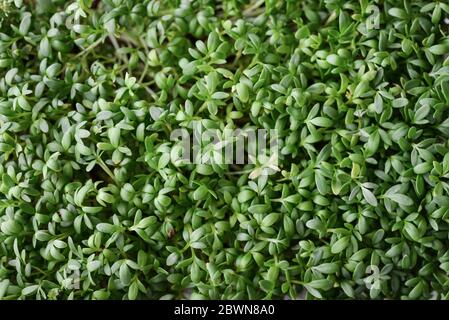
point(90, 91)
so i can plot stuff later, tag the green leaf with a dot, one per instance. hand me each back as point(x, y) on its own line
point(321, 183)
point(270, 219)
point(29, 290)
point(266, 285)
point(124, 274)
point(93, 265)
point(106, 228)
point(144, 223)
point(327, 268)
point(220, 95)
point(10, 227)
point(245, 195)
point(201, 193)
point(114, 136)
point(172, 259)
point(104, 115)
point(335, 60)
point(439, 49)
point(398, 13)
point(314, 292)
point(400, 199)
point(259, 208)
point(369, 197)
point(412, 231)
point(25, 24)
point(417, 291)
point(400, 102)
point(3, 287)
point(133, 291)
point(422, 168)
point(242, 91)
point(321, 284)
point(340, 245)
point(361, 89)
point(322, 122)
